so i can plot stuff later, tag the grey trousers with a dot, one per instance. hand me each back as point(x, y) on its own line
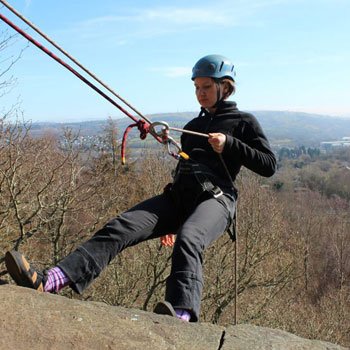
point(196, 222)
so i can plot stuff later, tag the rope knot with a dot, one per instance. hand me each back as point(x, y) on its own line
point(143, 127)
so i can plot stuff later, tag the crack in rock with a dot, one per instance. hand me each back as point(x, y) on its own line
point(222, 339)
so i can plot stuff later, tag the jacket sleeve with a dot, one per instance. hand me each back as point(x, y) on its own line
point(251, 149)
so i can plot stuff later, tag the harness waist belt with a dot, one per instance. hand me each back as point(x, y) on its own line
point(200, 172)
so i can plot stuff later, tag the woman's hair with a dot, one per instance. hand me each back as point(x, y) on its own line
point(230, 86)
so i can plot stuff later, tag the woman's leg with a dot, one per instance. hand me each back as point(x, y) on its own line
point(208, 221)
point(149, 219)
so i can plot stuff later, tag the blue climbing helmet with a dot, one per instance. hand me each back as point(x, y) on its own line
point(214, 66)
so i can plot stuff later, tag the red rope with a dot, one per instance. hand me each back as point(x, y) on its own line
point(143, 127)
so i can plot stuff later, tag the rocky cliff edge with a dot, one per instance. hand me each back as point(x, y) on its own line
point(33, 320)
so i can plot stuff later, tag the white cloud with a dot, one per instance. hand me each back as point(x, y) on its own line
point(27, 3)
point(167, 15)
point(313, 59)
point(188, 16)
point(331, 59)
point(173, 72)
point(206, 14)
point(161, 20)
point(105, 20)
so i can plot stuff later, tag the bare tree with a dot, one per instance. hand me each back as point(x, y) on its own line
point(110, 140)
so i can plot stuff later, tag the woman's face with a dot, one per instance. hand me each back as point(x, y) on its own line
point(206, 92)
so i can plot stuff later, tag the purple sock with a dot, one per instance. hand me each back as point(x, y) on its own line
point(56, 280)
point(183, 314)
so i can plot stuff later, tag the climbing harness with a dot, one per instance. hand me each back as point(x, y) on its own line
point(201, 174)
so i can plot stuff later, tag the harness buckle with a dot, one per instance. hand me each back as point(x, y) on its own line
point(217, 192)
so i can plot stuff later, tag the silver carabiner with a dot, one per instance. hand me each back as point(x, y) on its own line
point(161, 133)
point(168, 140)
point(180, 154)
point(171, 142)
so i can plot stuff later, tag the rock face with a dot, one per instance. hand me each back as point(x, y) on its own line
point(33, 320)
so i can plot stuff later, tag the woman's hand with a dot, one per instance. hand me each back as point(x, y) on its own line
point(167, 240)
point(217, 141)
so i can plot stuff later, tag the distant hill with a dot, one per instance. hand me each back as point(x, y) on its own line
point(281, 127)
point(298, 128)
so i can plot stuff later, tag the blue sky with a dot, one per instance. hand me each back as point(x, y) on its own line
point(289, 54)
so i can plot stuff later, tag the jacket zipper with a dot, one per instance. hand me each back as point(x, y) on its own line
point(208, 124)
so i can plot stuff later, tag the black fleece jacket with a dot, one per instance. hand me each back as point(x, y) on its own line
point(246, 144)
